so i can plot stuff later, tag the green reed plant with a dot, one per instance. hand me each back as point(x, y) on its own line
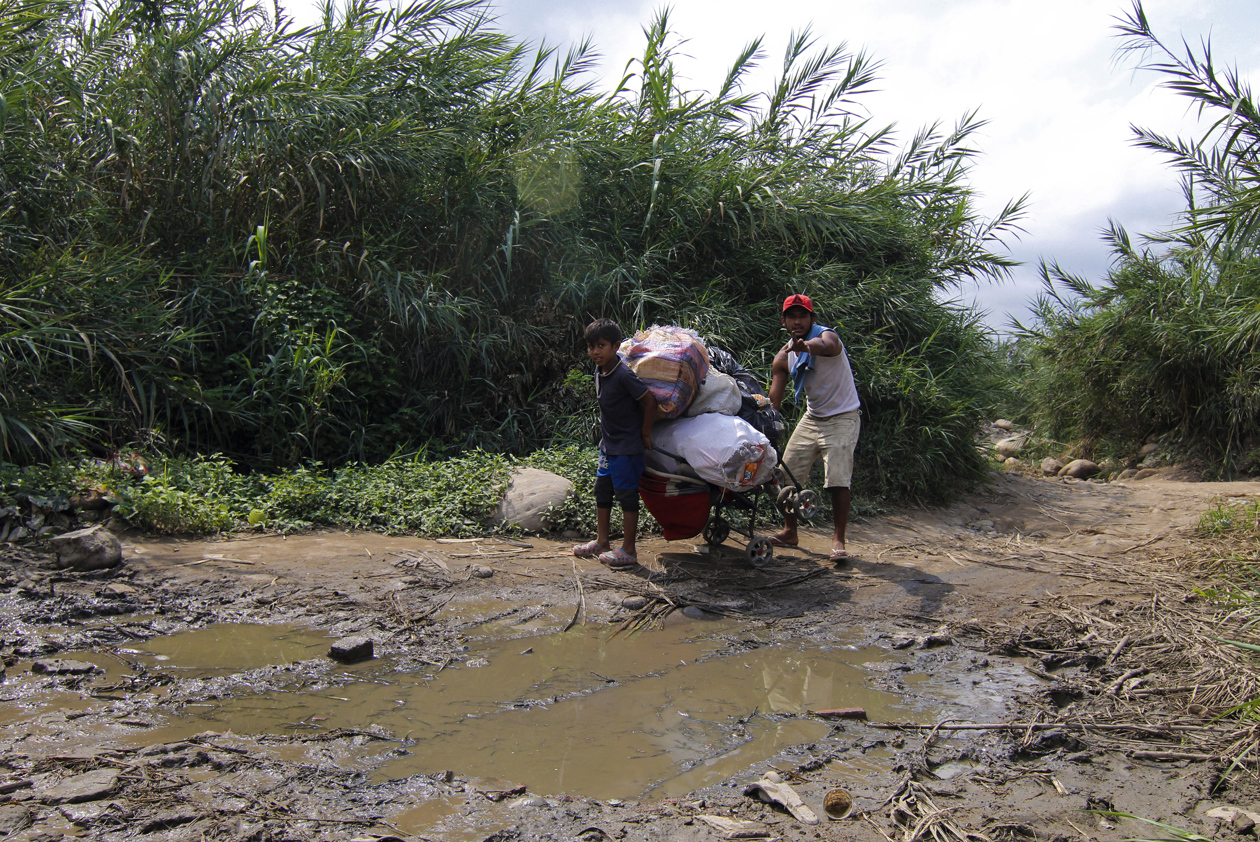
point(388, 229)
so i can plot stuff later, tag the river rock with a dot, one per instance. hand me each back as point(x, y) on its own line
point(1003, 424)
point(349, 650)
point(1050, 466)
point(14, 818)
point(1080, 469)
point(62, 666)
point(86, 787)
point(1009, 446)
point(1013, 465)
point(92, 499)
point(531, 492)
point(93, 548)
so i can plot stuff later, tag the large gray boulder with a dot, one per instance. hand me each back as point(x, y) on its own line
point(93, 548)
point(1050, 466)
point(530, 493)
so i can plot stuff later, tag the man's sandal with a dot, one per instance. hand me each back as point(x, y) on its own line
point(591, 549)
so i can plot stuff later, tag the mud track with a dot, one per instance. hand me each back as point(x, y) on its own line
point(1012, 633)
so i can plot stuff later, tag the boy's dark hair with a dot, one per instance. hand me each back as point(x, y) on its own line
point(603, 329)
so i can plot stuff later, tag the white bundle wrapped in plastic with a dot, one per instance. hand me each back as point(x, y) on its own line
point(718, 393)
point(722, 449)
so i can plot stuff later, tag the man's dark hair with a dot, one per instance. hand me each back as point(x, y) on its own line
point(603, 329)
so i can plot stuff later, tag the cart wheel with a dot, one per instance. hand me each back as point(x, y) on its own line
point(786, 500)
point(760, 551)
point(806, 504)
point(716, 531)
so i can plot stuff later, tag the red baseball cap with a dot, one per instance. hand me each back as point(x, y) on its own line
point(798, 300)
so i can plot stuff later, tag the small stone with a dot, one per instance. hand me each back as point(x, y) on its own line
point(634, 603)
point(92, 499)
point(1242, 823)
point(88, 814)
point(93, 548)
point(348, 650)
point(86, 787)
point(15, 818)
point(1050, 466)
point(62, 666)
point(932, 640)
point(1008, 447)
point(694, 613)
point(1080, 469)
point(482, 572)
point(1003, 424)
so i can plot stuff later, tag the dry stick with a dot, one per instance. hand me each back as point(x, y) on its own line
point(1042, 726)
point(1181, 755)
point(580, 608)
point(1145, 543)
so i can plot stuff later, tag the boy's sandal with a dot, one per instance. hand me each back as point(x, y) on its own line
point(618, 559)
point(590, 549)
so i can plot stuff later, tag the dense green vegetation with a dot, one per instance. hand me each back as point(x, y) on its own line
point(383, 235)
point(200, 494)
point(1168, 344)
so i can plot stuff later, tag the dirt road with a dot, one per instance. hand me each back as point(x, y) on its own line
point(1007, 654)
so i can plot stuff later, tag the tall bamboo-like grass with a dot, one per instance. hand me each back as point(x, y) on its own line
point(388, 230)
point(1168, 344)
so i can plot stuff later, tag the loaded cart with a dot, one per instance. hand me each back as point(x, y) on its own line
point(687, 504)
point(713, 451)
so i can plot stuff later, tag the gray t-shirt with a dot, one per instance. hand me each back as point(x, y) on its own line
point(620, 413)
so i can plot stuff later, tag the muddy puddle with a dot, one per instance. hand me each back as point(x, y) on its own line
point(657, 713)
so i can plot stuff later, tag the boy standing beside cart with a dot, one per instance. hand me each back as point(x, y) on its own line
point(814, 360)
point(627, 410)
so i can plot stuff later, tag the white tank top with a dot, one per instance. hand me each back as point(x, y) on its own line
point(829, 388)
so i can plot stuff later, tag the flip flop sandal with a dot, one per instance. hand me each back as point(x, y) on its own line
point(776, 541)
point(618, 559)
point(591, 549)
point(839, 555)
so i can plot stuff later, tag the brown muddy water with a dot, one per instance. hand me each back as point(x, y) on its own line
point(657, 713)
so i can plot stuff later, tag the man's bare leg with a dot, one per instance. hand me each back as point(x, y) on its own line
point(841, 498)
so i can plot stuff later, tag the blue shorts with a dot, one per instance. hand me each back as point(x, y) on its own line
point(623, 470)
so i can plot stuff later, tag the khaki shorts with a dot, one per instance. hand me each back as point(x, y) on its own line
point(833, 439)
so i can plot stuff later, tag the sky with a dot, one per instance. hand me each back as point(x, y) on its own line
point(1058, 100)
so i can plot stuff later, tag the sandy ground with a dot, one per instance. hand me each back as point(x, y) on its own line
point(1026, 602)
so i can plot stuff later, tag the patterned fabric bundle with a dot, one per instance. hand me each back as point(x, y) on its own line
point(671, 361)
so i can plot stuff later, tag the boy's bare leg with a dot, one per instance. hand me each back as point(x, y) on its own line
point(603, 521)
point(786, 537)
point(630, 521)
